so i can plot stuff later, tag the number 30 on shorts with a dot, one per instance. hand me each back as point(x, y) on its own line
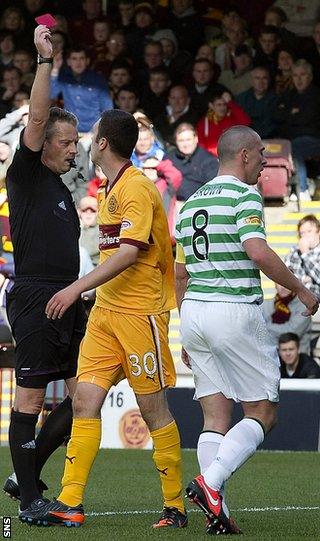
point(147, 364)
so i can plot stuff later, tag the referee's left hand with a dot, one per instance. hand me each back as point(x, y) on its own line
point(61, 301)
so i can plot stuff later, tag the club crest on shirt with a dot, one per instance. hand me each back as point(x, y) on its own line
point(253, 220)
point(112, 205)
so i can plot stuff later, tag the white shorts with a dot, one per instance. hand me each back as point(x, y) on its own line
point(230, 350)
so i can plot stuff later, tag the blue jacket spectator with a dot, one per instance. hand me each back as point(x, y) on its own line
point(85, 92)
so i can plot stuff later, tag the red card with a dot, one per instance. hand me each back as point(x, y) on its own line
point(47, 20)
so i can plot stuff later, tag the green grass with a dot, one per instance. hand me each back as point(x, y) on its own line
point(125, 480)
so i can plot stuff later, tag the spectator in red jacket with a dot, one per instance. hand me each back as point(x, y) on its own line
point(223, 113)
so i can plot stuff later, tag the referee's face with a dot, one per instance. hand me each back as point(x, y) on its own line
point(61, 149)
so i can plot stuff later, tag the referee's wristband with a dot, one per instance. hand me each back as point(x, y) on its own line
point(42, 60)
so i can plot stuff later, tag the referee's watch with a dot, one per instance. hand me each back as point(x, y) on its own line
point(42, 60)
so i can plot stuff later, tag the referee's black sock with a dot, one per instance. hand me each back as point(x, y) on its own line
point(55, 431)
point(23, 453)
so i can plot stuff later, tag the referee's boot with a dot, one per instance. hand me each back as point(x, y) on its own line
point(11, 487)
point(57, 513)
point(31, 515)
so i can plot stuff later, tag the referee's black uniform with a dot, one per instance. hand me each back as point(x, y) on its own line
point(45, 234)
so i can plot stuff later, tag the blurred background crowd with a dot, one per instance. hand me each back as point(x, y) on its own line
point(187, 70)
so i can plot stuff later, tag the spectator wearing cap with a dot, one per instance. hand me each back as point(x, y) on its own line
point(259, 102)
point(236, 35)
point(222, 114)
point(196, 164)
point(292, 363)
point(178, 62)
point(154, 98)
point(142, 31)
point(239, 79)
point(85, 92)
point(178, 110)
point(204, 85)
point(89, 237)
point(186, 24)
point(267, 49)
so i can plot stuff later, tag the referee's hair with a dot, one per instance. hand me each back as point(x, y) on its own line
point(121, 131)
point(233, 140)
point(57, 114)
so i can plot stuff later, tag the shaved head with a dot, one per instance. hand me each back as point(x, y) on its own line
point(235, 139)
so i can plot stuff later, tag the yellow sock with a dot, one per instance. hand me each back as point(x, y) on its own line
point(167, 458)
point(81, 451)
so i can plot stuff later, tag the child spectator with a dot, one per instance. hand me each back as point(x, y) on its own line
point(223, 113)
point(149, 156)
point(127, 99)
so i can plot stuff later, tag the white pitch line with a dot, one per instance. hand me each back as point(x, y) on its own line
point(239, 510)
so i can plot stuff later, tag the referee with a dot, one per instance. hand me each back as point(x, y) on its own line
point(45, 233)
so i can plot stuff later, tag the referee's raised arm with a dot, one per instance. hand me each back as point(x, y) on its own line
point(34, 133)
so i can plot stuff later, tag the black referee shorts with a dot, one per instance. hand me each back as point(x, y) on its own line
point(46, 350)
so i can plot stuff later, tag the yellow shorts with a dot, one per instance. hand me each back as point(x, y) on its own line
point(118, 346)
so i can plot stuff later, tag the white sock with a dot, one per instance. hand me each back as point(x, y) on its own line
point(208, 446)
point(239, 444)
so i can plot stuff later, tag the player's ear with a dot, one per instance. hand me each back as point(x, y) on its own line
point(103, 143)
point(244, 155)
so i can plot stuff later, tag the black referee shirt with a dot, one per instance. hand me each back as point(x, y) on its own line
point(44, 222)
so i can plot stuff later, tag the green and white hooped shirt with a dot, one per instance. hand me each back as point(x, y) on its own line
point(211, 227)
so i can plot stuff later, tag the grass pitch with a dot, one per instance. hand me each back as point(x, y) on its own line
point(274, 496)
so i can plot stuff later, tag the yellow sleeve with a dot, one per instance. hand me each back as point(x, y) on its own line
point(136, 215)
point(180, 257)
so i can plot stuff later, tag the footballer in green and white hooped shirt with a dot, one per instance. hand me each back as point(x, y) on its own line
point(211, 228)
point(221, 246)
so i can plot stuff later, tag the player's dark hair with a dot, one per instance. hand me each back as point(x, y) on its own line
point(59, 115)
point(289, 337)
point(121, 131)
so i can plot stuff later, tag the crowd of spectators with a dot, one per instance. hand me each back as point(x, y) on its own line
point(187, 70)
